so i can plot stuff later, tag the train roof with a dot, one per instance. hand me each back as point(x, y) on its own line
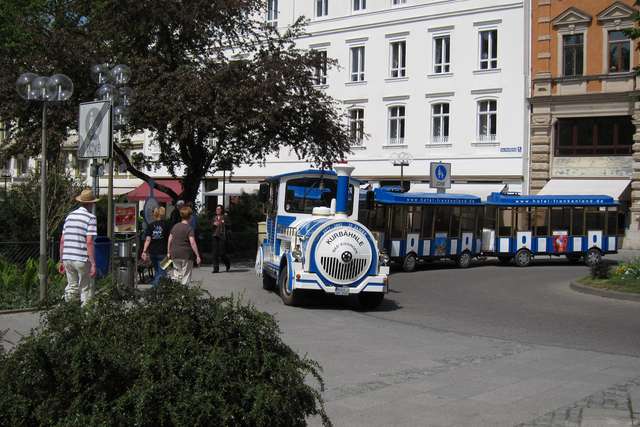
point(445, 199)
point(303, 173)
point(550, 200)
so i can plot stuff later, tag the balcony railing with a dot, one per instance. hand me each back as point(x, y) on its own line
point(439, 139)
point(396, 141)
point(486, 139)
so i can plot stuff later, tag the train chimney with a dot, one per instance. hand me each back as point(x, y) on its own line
point(342, 197)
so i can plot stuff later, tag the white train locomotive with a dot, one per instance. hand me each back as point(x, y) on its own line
point(313, 241)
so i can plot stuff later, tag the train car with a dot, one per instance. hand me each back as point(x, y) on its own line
point(415, 228)
point(313, 239)
point(518, 228)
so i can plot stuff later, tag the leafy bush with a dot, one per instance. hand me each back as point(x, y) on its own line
point(600, 270)
point(169, 357)
point(628, 271)
point(20, 287)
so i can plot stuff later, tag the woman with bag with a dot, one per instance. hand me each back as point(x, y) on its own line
point(220, 243)
point(182, 247)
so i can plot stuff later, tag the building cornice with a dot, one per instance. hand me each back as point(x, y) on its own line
point(588, 98)
point(405, 20)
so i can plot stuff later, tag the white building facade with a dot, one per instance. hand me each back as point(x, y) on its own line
point(424, 81)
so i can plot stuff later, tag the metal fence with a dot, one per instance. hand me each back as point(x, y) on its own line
point(20, 252)
point(242, 246)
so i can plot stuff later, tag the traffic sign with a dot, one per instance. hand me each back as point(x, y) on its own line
point(440, 175)
point(94, 130)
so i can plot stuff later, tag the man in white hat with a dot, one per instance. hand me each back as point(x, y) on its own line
point(77, 251)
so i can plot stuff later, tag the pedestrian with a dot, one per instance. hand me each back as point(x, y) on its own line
point(155, 244)
point(220, 237)
point(182, 247)
point(77, 250)
point(175, 214)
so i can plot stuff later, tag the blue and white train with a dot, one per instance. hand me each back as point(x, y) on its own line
point(418, 227)
point(314, 241)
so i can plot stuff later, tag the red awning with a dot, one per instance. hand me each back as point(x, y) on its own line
point(141, 192)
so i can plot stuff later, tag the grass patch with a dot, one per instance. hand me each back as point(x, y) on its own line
point(612, 284)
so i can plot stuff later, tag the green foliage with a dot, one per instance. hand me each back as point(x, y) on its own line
point(19, 286)
point(600, 270)
point(20, 214)
point(627, 271)
point(169, 357)
point(246, 213)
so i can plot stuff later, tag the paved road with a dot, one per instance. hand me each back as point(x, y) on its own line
point(491, 345)
point(530, 305)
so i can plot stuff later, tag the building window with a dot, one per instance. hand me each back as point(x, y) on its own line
point(356, 126)
point(442, 54)
point(357, 64)
point(22, 165)
point(488, 49)
point(359, 5)
point(398, 59)
point(398, 2)
point(440, 123)
point(487, 120)
point(272, 12)
point(594, 136)
point(572, 54)
point(396, 124)
point(619, 52)
point(320, 71)
point(322, 8)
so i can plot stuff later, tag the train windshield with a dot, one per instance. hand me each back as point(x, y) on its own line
point(304, 194)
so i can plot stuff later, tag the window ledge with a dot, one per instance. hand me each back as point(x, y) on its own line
point(323, 86)
point(439, 75)
point(490, 71)
point(438, 144)
point(396, 79)
point(358, 83)
point(390, 146)
point(358, 147)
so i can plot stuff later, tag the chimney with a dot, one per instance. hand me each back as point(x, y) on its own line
point(342, 197)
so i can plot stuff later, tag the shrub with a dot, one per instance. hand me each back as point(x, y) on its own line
point(169, 357)
point(20, 287)
point(626, 271)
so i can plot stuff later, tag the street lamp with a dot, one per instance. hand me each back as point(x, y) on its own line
point(56, 88)
point(113, 88)
point(401, 160)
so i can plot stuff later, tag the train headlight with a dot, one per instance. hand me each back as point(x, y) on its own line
point(297, 254)
point(384, 258)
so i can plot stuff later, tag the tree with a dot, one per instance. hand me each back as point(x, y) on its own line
point(213, 83)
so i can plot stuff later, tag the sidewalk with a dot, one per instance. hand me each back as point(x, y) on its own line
point(618, 405)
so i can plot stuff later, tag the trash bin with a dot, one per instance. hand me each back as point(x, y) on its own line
point(102, 246)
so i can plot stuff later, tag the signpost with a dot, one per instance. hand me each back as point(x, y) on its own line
point(440, 176)
point(126, 218)
point(94, 130)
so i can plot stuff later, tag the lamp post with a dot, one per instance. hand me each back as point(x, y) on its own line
point(56, 88)
point(113, 89)
point(401, 160)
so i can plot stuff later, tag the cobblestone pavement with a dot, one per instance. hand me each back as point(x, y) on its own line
point(618, 405)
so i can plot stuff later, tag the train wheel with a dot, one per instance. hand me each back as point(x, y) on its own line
point(464, 260)
point(523, 258)
point(409, 263)
point(594, 256)
point(289, 297)
point(370, 300)
point(504, 259)
point(268, 282)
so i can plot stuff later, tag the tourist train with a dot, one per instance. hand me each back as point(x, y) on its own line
point(324, 233)
point(313, 240)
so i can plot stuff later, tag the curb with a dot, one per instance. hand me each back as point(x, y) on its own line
point(604, 293)
point(20, 310)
